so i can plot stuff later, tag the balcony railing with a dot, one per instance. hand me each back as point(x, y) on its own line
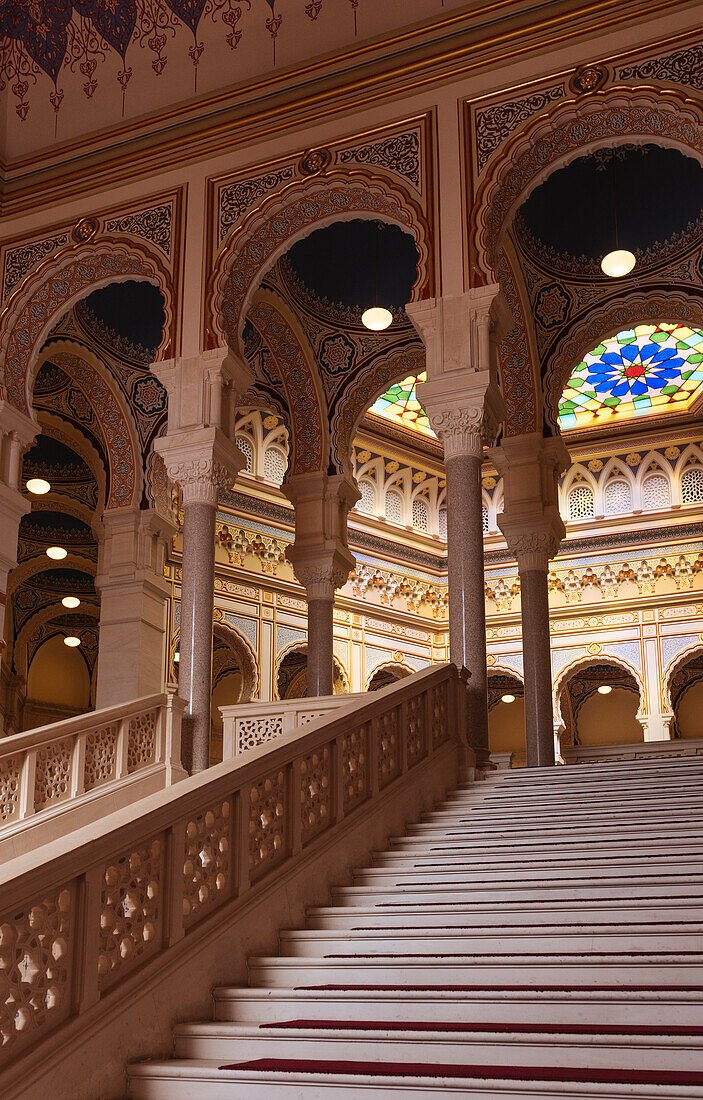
point(246, 725)
point(57, 778)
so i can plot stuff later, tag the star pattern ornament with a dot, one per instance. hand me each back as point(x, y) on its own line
point(649, 369)
point(400, 405)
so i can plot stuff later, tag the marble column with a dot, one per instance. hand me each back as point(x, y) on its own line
point(465, 567)
point(17, 431)
point(133, 602)
point(533, 530)
point(202, 458)
point(462, 398)
point(322, 562)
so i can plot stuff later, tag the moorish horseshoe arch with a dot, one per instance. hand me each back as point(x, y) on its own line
point(547, 142)
point(620, 311)
point(570, 130)
point(56, 285)
point(119, 435)
point(291, 214)
point(246, 657)
point(587, 662)
point(302, 647)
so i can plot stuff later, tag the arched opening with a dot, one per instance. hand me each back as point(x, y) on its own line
point(685, 691)
point(58, 683)
point(386, 675)
point(506, 717)
point(599, 704)
point(292, 675)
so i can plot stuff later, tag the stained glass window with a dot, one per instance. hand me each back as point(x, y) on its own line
point(644, 370)
point(401, 405)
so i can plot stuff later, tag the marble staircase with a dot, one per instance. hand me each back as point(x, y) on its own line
point(539, 935)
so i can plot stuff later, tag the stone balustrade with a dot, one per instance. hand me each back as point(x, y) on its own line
point(56, 778)
point(246, 725)
point(95, 908)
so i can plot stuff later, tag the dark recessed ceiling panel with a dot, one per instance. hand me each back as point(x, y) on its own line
point(658, 193)
point(338, 263)
point(134, 310)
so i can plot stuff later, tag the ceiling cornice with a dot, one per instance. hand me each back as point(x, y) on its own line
point(365, 75)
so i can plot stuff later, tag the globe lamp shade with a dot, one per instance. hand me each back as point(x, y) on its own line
point(377, 318)
point(618, 263)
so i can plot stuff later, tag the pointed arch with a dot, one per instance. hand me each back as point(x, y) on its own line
point(654, 483)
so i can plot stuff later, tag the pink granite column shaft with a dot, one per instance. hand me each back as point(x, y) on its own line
point(320, 647)
point(539, 723)
point(197, 603)
point(467, 607)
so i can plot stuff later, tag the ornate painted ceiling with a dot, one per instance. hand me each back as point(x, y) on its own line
point(72, 67)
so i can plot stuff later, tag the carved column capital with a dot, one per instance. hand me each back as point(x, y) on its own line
point(322, 573)
point(202, 462)
point(535, 545)
point(460, 430)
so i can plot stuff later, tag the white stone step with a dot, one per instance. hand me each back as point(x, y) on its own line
point(228, 1042)
point(557, 915)
point(194, 1080)
point(627, 890)
point(646, 1008)
point(485, 941)
point(594, 872)
point(517, 856)
point(485, 970)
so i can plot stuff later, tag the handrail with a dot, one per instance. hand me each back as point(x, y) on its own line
point(53, 769)
point(86, 911)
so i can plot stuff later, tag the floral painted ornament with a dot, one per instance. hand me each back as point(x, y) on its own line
point(650, 369)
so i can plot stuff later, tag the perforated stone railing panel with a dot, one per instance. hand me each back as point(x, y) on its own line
point(130, 916)
point(141, 741)
point(440, 715)
point(100, 757)
point(147, 876)
point(416, 719)
point(257, 731)
point(315, 793)
point(207, 864)
point(308, 716)
point(52, 779)
point(355, 770)
point(36, 949)
point(9, 789)
point(267, 824)
point(388, 747)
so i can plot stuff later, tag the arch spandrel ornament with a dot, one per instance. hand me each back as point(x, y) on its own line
point(57, 284)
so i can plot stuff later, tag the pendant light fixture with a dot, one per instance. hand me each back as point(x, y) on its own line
point(620, 261)
point(376, 317)
point(38, 486)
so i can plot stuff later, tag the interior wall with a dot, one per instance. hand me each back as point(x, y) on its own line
point(58, 684)
point(689, 712)
point(506, 727)
point(226, 693)
point(609, 719)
